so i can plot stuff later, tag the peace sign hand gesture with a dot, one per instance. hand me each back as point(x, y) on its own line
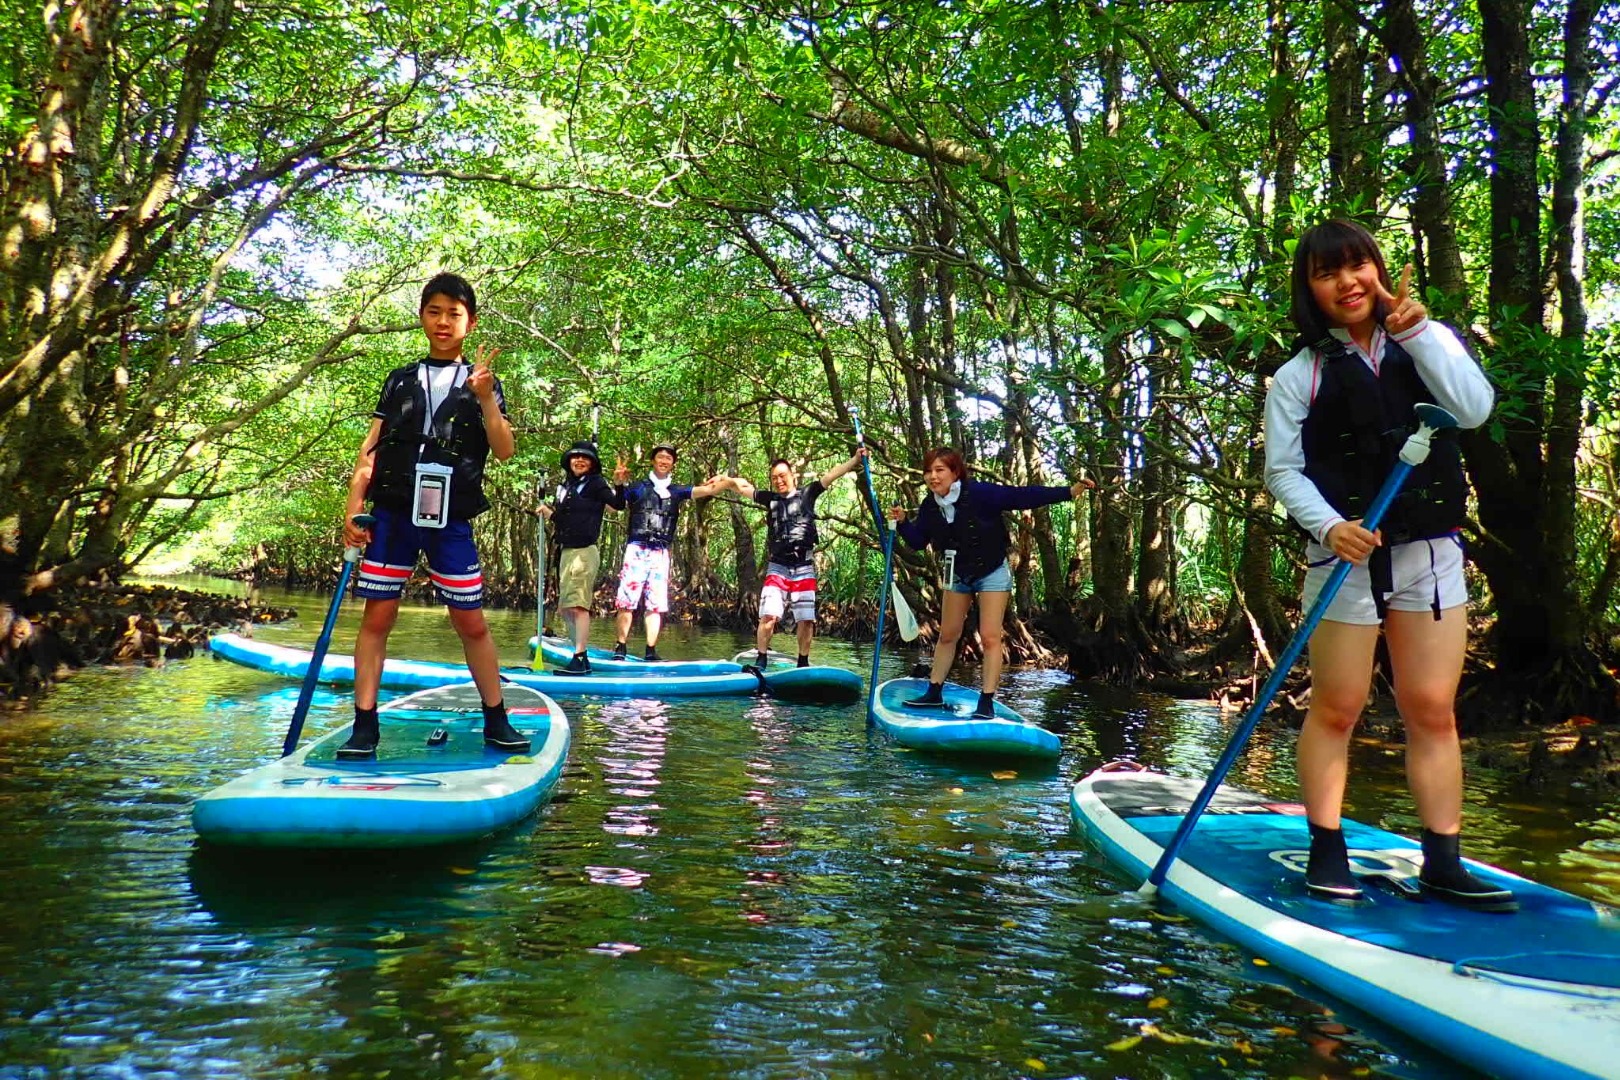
point(1404, 311)
point(482, 380)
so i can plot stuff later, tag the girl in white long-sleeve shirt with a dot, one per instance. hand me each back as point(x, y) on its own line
point(1335, 416)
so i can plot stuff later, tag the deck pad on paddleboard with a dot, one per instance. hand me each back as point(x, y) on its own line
point(406, 725)
point(1528, 994)
point(1258, 847)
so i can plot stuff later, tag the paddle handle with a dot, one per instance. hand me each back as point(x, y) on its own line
point(306, 693)
point(1431, 419)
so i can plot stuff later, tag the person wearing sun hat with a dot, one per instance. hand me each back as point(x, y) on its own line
point(582, 497)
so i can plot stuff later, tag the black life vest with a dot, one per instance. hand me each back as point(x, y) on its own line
point(1353, 434)
point(652, 522)
point(792, 526)
point(980, 540)
point(458, 440)
point(577, 517)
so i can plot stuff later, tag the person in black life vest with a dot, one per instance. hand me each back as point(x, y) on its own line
point(422, 468)
point(961, 519)
point(582, 497)
point(654, 502)
point(790, 571)
point(1336, 415)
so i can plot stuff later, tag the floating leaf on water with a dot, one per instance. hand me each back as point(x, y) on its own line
point(463, 870)
point(1283, 1031)
point(1258, 962)
point(1035, 1063)
point(1158, 1003)
point(393, 937)
point(1005, 774)
point(1008, 924)
point(1127, 1043)
point(956, 791)
point(1163, 917)
point(1162, 970)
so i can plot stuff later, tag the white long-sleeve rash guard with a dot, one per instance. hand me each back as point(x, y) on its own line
point(1458, 385)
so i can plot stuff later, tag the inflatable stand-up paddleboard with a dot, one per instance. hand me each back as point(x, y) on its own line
point(559, 651)
point(1533, 994)
point(433, 781)
point(949, 729)
point(817, 685)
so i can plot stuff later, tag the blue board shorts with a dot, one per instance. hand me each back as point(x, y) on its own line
point(390, 560)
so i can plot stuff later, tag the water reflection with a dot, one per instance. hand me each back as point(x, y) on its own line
point(719, 888)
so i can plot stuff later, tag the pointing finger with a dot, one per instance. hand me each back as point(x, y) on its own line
point(1406, 284)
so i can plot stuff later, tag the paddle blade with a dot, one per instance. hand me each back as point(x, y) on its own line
point(903, 618)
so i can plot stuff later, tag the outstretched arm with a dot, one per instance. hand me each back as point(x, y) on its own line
point(714, 485)
point(742, 487)
point(838, 471)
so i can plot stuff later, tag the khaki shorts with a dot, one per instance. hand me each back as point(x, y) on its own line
point(577, 586)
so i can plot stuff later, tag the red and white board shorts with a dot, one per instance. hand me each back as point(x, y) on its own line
point(785, 585)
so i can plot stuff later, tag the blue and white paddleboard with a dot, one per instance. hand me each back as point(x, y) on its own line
point(819, 685)
point(560, 651)
point(433, 780)
point(949, 730)
point(1534, 994)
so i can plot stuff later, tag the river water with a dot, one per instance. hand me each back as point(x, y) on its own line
point(722, 887)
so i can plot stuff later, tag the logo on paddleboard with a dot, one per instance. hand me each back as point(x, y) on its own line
point(1397, 863)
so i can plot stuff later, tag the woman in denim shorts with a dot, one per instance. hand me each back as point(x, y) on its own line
point(961, 519)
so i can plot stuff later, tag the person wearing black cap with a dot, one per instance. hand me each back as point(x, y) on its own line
point(582, 497)
point(644, 577)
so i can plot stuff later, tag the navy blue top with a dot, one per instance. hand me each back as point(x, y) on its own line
point(988, 501)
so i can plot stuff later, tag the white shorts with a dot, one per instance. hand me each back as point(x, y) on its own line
point(1428, 575)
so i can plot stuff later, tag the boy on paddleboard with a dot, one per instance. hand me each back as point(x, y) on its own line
point(790, 573)
point(422, 468)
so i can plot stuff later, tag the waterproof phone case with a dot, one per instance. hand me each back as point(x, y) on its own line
point(949, 571)
point(430, 508)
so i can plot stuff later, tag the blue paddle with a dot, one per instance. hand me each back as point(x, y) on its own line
point(883, 608)
point(306, 693)
point(1431, 419)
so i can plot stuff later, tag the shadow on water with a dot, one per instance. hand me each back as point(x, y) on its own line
point(270, 889)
